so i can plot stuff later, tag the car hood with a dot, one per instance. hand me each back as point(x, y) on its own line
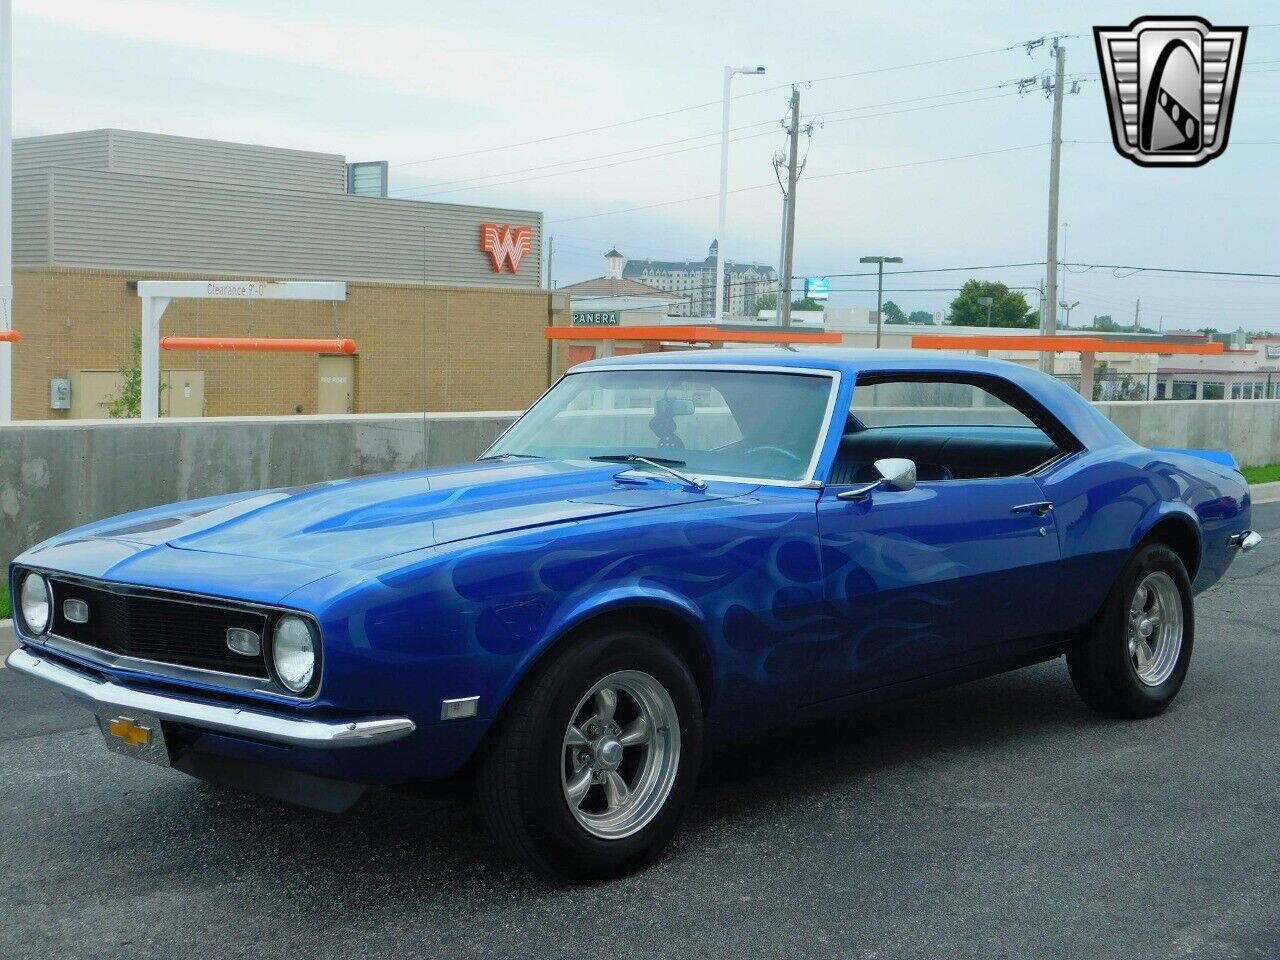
point(341, 524)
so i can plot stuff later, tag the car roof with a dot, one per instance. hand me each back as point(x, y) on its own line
point(1073, 411)
point(832, 358)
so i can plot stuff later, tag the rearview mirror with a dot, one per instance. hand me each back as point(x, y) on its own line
point(896, 473)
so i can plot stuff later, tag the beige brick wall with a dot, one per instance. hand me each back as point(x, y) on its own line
point(431, 348)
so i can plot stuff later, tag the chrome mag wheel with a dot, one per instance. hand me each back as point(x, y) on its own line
point(1155, 628)
point(621, 754)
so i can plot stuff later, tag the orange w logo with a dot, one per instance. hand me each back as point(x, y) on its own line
point(505, 244)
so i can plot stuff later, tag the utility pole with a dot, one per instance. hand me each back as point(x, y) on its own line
point(6, 207)
point(1137, 310)
point(551, 253)
point(1049, 319)
point(793, 174)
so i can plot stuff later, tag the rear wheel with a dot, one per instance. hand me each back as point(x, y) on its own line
point(1135, 657)
point(587, 773)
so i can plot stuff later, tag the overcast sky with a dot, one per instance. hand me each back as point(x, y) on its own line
point(446, 92)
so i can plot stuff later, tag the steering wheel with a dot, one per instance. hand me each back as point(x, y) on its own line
point(786, 453)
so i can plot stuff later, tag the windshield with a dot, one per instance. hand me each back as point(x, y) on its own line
point(729, 423)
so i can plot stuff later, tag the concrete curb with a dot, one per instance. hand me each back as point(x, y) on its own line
point(1265, 492)
point(8, 642)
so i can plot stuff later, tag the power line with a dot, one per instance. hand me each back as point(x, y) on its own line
point(1183, 270)
point(824, 117)
point(711, 103)
point(823, 176)
point(903, 273)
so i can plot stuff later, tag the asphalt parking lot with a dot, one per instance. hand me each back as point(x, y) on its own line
point(998, 819)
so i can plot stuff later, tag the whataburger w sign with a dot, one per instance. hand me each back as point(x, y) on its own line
point(505, 244)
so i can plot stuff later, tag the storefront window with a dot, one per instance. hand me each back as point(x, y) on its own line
point(1214, 390)
point(1184, 389)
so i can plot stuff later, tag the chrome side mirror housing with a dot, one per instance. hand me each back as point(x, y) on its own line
point(896, 473)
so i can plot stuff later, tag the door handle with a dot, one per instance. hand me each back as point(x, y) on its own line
point(1040, 508)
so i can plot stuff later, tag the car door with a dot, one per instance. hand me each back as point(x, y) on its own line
point(956, 570)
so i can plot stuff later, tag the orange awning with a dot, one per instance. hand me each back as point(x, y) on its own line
point(691, 333)
point(1037, 344)
point(259, 345)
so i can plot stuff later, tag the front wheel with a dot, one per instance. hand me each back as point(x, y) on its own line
point(1135, 656)
point(586, 774)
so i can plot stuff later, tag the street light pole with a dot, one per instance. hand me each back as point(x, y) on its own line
point(987, 302)
point(1066, 311)
point(724, 184)
point(880, 262)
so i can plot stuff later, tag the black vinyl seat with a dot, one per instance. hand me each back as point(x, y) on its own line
point(938, 456)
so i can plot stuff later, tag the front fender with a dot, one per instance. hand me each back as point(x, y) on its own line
point(576, 610)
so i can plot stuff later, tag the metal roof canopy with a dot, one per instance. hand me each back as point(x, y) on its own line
point(694, 333)
point(1038, 344)
point(1087, 347)
point(156, 296)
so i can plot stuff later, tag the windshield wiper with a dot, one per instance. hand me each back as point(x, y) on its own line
point(510, 456)
point(664, 464)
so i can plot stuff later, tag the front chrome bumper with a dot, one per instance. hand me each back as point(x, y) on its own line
point(237, 721)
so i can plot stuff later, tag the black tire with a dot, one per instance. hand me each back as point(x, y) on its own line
point(521, 767)
point(1101, 664)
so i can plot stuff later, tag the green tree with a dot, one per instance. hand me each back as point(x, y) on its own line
point(808, 303)
point(766, 301)
point(893, 313)
point(920, 316)
point(128, 402)
point(1008, 309)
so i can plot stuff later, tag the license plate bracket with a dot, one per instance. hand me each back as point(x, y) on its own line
point(133, 733)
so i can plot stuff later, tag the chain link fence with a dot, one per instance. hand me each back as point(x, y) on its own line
point(1114, 385)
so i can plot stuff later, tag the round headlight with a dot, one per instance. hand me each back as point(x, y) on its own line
point(35, 602)
point(293, 651)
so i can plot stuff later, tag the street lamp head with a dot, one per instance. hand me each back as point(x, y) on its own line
point(986, 301)
point(879, 259)
point(750, 70)
point(892, 259)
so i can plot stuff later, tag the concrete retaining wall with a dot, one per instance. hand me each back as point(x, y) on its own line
point(56, 475)
point(1250, 429)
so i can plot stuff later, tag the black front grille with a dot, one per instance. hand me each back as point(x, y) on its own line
point(155, 628)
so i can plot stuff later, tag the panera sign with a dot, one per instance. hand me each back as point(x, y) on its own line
point(599, 318)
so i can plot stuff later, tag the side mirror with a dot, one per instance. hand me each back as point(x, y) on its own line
point(896, 473)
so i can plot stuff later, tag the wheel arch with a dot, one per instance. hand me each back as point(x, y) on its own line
point(669, 617)
point(1179, 529)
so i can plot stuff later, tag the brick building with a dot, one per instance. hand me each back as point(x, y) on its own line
point(437, 327)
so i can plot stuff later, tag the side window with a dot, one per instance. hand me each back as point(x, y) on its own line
point(952, 427)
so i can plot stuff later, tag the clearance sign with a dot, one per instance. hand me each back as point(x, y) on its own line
point(505, 245)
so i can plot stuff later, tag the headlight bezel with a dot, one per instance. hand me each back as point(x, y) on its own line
point(24, 577)
point(311, 682)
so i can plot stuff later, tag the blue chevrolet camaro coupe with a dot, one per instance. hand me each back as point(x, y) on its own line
point(665, 550)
